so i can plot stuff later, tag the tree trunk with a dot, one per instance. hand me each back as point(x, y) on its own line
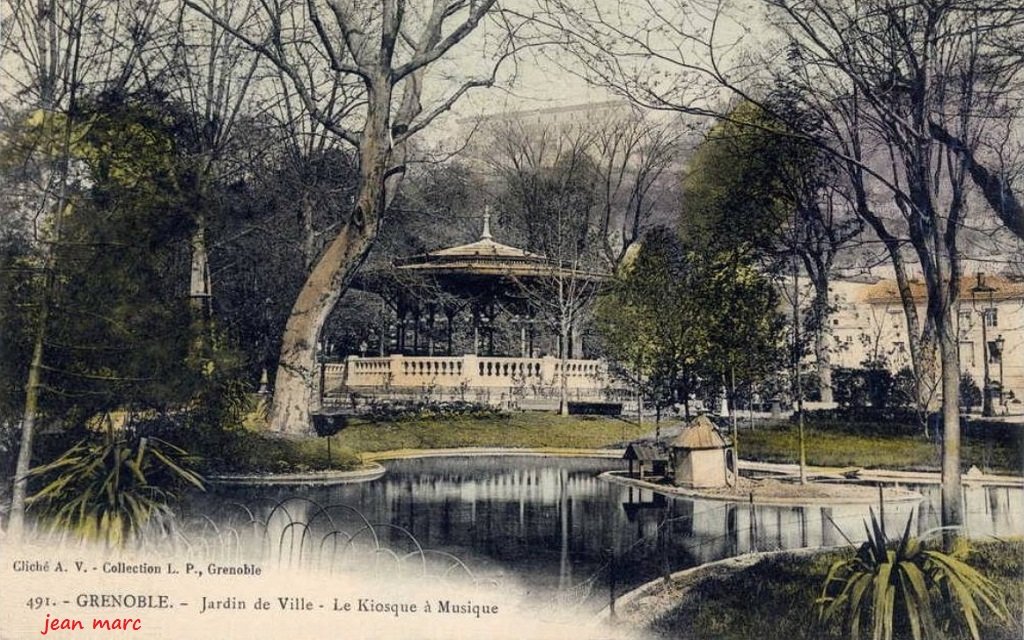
point(199, 281)
point(563, 394)
point(308, 232)
point(200, 300)
point(28, 427)
point(921, 342)
point(822, 353)
point(732, 410)
point(296, 379)
point(34, 382)
point(994, 186)
point(942, 278)
point(823, 358)
point(952, 496)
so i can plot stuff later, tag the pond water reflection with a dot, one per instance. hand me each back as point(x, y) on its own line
point(552, 525)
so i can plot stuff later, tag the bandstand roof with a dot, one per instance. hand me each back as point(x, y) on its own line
point(468, 266)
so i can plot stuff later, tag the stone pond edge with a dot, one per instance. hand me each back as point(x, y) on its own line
point(369, 471)
point(617, 477)
point(733, 564)
point(372, 469)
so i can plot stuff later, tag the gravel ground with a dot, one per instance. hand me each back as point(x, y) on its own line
point(776, 490)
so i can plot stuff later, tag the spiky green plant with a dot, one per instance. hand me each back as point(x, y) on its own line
point(110, 489)
point(906, 590)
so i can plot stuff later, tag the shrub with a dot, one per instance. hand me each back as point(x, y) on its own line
point(110, 489)
point(970, 392)
point(872, 386)
point(906, 590)
point(397, 411)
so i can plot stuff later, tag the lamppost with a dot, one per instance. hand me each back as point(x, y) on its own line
point(997, 352)
point(980, 290)
point(322, 346)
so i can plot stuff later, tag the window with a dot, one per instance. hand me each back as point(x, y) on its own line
point(967, 354)
point(992, 317)
point(966, 318)
point(993, 352)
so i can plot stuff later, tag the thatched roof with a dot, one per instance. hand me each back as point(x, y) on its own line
point(701, 433)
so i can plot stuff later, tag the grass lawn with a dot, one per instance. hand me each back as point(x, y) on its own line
point(247, 451)
point(520, 430)
point(774, 599)
point(831, 448)
point(251, 449)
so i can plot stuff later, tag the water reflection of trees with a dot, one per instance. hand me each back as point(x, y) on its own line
point(566, 532)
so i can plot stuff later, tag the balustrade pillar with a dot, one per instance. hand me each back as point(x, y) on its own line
point(547, 369)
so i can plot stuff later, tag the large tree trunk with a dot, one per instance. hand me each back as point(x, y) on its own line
point(296, 382)
point(920, 341)
point(952, 497)
point(943, 280)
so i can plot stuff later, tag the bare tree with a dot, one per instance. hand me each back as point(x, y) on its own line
point(213, 75)
point(549, 186)
point(360, 70)
point(637, 159)
point(884, 76)
point(626, 159)
point(539, 172)
point(563, 293)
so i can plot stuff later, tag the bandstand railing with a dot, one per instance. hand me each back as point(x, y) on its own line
point(468, 372)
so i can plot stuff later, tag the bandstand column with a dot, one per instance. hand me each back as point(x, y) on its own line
point(450, 317)
point(430, 330)
point(416, 331)
point(476, 332)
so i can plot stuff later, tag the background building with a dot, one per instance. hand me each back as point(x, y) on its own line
point(868, 325)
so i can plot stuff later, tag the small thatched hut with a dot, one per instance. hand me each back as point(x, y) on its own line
point(699, 455)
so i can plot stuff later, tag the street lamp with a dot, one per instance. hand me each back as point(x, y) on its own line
point(980, 290)
point(997, 352)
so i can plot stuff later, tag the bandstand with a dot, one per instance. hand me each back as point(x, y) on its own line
point(469, 323)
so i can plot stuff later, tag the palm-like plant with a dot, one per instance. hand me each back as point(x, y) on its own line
point(110, 489)
point(906, 590)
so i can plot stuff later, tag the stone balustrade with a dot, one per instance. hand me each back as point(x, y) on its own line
point(467, 372)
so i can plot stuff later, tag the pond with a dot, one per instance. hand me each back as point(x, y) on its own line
point(551, 526)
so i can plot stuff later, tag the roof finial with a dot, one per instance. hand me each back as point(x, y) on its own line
point(486, 235)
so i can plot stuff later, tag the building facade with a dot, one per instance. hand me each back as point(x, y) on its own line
point(868, 325)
